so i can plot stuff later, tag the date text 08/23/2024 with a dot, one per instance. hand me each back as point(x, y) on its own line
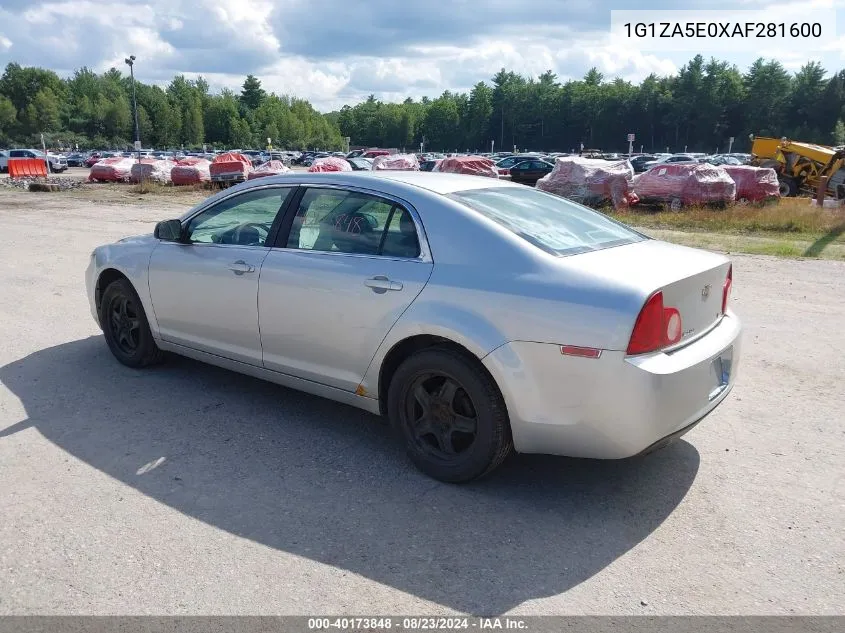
point(415, 624)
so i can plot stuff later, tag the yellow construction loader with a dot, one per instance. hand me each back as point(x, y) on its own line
point(802, 167)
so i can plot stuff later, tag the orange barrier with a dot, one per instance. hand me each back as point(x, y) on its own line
point(27, 168)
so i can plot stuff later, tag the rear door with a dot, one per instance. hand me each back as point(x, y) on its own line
point(350, 263)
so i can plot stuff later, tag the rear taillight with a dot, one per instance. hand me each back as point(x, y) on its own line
point(672, 326)
point(656, 327)
point(726, 289)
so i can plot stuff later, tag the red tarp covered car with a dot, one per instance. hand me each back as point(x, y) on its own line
point(396, 162)
point(157, 170)
point(117, 169)
point(754, 184)
point(473, 165)
point(590, 181)
point(230, 167)
point(191, 171)
point(330, 163)
point(270, 168)
point(685, 184)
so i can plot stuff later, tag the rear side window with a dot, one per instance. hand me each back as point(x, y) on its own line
point(551, 223)
point(334, 220)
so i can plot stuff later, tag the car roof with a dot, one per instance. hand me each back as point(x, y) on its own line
point(398, 183)
point(408, 185)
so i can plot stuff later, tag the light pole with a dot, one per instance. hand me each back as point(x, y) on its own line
point(130, 61)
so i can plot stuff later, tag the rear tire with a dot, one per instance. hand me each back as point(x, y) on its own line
point(787, 187)
point(125, 326)
point(451, 415)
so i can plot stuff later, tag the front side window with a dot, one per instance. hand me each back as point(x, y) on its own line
point(334, 220)
point(245, 219)
point(556, 225)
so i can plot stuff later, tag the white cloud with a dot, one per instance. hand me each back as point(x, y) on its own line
point(334, 52)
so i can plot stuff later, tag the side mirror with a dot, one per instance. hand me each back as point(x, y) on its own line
point(169, 231)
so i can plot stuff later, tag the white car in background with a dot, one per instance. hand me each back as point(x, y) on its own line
point(671, 159)
point(57, 163)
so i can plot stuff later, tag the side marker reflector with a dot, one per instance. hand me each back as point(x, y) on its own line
point(583, 352)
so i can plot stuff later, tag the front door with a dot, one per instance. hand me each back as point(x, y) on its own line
point(205, 291)
point(349, 267)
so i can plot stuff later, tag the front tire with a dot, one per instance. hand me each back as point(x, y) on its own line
point(451, 415)
point(125, 326)
point(787, 187)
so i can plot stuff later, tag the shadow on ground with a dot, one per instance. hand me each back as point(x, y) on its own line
point(815, 249)
point(330, 483)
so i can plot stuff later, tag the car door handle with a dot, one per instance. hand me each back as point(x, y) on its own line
point(380, 282)
point(240, 267)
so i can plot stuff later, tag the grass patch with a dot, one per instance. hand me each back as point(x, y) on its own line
point(780, 246)
point(790, 215)
point(787, 228)
point(146, 187)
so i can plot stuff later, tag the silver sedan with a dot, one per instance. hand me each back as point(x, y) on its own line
point(480, 316)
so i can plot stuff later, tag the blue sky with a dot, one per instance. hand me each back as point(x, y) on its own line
point(334, 52)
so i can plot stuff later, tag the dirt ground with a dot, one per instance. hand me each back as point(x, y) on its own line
point(187, 489)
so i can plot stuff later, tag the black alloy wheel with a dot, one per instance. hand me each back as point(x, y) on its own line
point(441, 414)
point(450, 413)
point(124, 323)
point(125, 326)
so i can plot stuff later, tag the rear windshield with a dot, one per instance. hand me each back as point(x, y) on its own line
point(553, 224)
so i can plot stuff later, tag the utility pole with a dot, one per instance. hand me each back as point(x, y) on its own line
point(502, 136)
point(130, 61)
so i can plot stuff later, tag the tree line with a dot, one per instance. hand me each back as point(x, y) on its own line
point(95, 111)
point(697, 109)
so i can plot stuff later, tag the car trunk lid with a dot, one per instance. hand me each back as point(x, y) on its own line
point(691, 280)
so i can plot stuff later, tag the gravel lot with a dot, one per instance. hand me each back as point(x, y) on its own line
point(190, 490)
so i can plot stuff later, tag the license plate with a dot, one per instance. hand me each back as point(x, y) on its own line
point(720, 372)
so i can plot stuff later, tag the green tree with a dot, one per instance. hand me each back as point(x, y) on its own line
point(221, 110)
point(768, 87)
point(240, 135)
point(806, 103)
point(8, 118)
point(252, 94)
point(441, 123)
point(193, 127)
point(21, 84)
point(42, 114)
point(145, 126)
point(479, 110)
point(117, 120)
point(838, 135)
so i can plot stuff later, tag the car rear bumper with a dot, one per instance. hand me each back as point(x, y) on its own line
point(615, 406)
point(232, 177)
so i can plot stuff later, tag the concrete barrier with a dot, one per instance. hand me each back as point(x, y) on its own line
point(27, 168)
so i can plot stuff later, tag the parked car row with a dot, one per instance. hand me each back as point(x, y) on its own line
point(677, 183)
point(60, 161)
point(645, 162)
